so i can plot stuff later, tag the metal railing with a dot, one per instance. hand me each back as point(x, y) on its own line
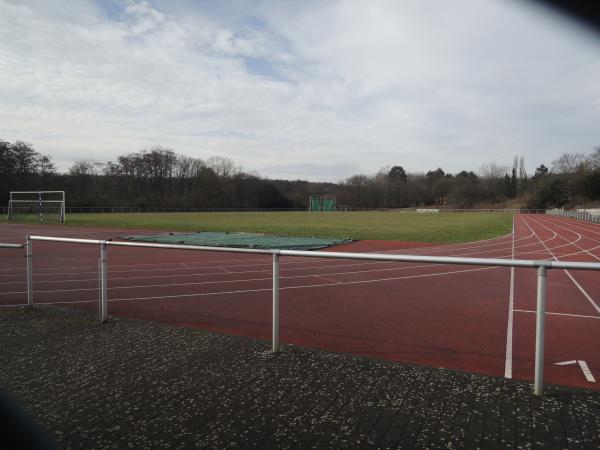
point(578, 215)
point(15, 246)
point(157, 209)
point(542, 266)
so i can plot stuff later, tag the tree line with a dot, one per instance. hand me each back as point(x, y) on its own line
point(160, 177)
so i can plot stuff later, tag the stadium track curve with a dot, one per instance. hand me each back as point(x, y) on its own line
point(478, 319)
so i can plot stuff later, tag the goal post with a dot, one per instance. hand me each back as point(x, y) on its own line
point(322, 203)
point(48, 206)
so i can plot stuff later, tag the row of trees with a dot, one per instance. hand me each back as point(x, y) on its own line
point(574, 179)
point(159, 177)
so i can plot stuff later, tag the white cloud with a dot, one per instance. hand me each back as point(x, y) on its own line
point(299, 89)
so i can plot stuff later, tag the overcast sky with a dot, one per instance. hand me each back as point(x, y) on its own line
point(316, 90)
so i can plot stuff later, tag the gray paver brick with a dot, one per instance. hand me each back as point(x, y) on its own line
point(135, 384)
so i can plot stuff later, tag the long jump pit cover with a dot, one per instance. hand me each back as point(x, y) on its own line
point(241, 240)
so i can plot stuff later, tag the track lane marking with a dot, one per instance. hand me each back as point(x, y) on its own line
point(585, 294)
point(203, 294)
point(239, 280)
point(582, 316)
point(47, 274)
point(586, 226)
point(82, 280)
point(575, 232)
point(415, 251)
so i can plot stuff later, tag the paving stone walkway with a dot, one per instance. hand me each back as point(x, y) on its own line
point(134, 384)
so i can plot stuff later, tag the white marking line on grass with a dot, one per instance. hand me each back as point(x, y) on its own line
point(582, 316)
point(509, 327)
point(204, 294)
point(585, 294)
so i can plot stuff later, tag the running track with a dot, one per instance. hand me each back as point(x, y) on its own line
point(466, 318)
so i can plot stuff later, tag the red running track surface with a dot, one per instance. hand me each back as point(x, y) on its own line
point(457, 317)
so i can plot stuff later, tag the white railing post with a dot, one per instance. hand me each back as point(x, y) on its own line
point(29, 258)
point(103, 284)
point(540, 320)
point(275, 302)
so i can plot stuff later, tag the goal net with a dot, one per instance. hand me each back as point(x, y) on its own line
point(45, 206)
point(321, 203)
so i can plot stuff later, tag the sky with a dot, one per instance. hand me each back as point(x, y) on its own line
point(315, 89)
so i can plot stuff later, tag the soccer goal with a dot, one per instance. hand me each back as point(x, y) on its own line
point(321, 203)
point(48, 206)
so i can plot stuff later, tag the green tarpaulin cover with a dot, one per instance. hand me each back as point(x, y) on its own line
point(242, 240)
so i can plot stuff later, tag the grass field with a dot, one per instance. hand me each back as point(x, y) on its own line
point(385, 225)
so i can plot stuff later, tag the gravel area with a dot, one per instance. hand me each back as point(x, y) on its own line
point(135, 384)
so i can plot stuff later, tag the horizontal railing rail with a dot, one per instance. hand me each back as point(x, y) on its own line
point(16, 246)
point(542, 266)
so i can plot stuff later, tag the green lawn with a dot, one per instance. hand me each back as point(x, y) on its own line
point(387, 225)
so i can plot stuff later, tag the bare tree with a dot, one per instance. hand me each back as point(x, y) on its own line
point(492, 171)
point(223, 167)
point(569, 163)
point(86, 167)
point(593, 160)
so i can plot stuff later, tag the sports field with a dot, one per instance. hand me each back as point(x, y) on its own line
point(464, 317)
point(381, 225)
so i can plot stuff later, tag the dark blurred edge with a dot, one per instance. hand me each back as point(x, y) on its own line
point(584, 12)
point(18, 429)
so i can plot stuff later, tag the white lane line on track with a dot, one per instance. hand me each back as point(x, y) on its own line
point(583, 291)
point(586, 226)
point(585, 294)
point(285, 269)
point(287, 263)
point(90, 263)
point(470, 246)
point(112, 279)
point(170, 276)
point(239, 280)
point(509, 328)
point(586, 371)
point(582, 316)
point(580, 237)
point(204, 294)
point(327, 279)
